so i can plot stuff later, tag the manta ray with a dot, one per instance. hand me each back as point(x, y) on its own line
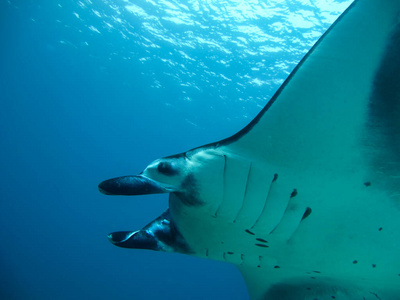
point(304, 200)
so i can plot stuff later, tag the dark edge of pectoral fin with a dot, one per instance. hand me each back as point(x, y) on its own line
point(358, 10)
point(261, 114)
point(384, 114)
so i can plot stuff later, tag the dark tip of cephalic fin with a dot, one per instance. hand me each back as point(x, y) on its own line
point(249, 232)
point(159, 235)
point(131, 186)
point(124, 239)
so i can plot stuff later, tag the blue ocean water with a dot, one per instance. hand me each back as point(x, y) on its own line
point(95, 89)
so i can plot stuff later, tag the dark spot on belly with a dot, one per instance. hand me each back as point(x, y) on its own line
point(306, 213)
point(262, 245)
point(275, 177)
point(376, 295)
point(229, 252)
point(261, 240)
point(374, 265)
point(259, 259)
point(277, 267)
point(355, 261)
point(380, 229)
point(293, 194)
point(318, 272)
point(248, 231)
point(367, 183)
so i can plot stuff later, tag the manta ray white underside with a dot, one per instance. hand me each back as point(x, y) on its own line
point(305, 200)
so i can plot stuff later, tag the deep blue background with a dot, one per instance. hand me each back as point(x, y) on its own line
point(91, 90)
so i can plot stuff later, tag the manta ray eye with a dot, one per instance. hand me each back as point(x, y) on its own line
point(167, 168)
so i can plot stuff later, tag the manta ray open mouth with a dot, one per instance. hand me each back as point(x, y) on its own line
point(305, 200)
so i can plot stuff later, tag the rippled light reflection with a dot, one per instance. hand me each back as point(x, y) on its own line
point(241, 50)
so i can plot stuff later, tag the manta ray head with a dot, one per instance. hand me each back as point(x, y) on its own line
point(188, 178)
point(161, 176)
point(187, 175)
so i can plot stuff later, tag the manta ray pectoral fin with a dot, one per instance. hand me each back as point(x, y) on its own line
point(131, 186)
point(331, 132)
point(311, 287)
point(159, 235)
